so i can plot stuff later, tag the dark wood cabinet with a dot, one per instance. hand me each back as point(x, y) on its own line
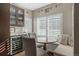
point(16, 16)
point(10, 15)
point(29, 46)
point(4, 28)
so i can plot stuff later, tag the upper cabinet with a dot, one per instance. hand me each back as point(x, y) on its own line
point(19, 17)
point(16, 16)
point(12, 15)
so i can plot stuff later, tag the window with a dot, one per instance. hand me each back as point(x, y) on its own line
point(28, 24)
point(41, 29)
point(48, 28)
point(54, 27)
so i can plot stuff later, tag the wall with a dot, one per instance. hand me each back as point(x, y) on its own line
point(66, 9)
point(68, 22)
point(16, 30)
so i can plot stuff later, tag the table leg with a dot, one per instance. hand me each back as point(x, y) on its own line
point(44, 47)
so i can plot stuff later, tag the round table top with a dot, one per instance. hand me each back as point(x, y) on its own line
point(47, 42)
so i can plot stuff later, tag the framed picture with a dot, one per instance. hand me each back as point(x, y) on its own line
point(12, 29)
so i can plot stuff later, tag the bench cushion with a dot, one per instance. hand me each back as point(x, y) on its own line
point(64, 50)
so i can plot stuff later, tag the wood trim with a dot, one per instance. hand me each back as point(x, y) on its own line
point(76, 29)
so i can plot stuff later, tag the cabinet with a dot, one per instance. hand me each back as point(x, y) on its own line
point(9, 16)
point(19, 17)
point(29, 46)
point(12, 15)
point(4, 28)
point(16, 16)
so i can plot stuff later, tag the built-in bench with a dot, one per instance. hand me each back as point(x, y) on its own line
point(64, 48)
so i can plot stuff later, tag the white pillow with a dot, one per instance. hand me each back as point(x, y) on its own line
point(71, 42)
point(65, 39)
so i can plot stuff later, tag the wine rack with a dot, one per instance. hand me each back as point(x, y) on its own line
point(5, 47)
point(16, 44)
point(2, 47)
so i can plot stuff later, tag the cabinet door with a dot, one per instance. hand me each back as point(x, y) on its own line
point(5, 47)
point(4, 27)
point(12, 15)
point(20, 17)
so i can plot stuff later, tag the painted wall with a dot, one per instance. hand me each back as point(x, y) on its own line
point(68, 22)
point(66, 9)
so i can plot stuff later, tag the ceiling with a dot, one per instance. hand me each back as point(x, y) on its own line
point(31, 6)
